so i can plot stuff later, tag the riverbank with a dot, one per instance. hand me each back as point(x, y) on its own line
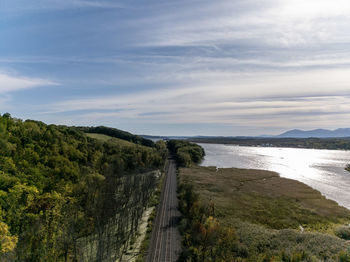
point(311, 143)
point(322, 170)
point(272, 216)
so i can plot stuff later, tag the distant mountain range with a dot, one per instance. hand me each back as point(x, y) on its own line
point(320, 133)
point(295, 133)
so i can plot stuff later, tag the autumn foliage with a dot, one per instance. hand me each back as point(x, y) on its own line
point(64, 195)
point(204, 239)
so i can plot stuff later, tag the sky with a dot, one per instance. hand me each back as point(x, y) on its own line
point(182, 67)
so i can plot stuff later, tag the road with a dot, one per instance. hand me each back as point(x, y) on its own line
point(165, 245)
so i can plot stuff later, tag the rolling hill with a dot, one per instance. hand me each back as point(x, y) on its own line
point(319, 133)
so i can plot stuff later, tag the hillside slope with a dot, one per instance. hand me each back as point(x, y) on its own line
point(117, 133)
point(65, 196)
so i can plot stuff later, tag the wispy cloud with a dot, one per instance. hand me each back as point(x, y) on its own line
point(98, 4)
point(266, 99)
point(11, 83)
point(303, 112)
point(275, 23)
point(20, 6)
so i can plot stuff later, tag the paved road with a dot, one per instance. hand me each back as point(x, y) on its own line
point(165, 243)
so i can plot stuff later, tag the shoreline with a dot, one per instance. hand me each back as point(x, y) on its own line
point(323, 170)
point(261, 146)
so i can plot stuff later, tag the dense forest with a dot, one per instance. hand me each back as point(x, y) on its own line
point(67, 197)
point(186, 153)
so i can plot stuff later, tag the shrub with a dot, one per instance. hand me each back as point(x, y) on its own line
point(343, 257)
point(343, 232)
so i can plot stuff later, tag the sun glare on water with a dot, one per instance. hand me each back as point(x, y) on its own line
point(320, 169)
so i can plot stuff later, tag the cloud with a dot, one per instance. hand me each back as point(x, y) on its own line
point(98, 4)
point(267, 99)
point(276, 23)
point(258, 116)
point(23, 6)
point(12, 83)
point(270, 63)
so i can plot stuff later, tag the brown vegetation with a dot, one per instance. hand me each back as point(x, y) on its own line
point(265, 213)
point(262, 197)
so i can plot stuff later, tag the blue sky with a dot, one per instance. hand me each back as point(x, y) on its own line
point(189, 67)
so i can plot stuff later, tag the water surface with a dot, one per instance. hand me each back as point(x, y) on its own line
point(320, 169)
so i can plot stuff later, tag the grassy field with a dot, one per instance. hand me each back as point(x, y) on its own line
point(105, 138)
point(269, 212)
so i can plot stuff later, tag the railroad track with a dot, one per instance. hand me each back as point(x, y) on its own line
point(165, 243)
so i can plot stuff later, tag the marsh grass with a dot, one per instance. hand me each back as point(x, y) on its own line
point(262, 197)
point(267, 212)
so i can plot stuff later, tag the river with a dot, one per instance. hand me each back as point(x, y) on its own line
point(321, 169)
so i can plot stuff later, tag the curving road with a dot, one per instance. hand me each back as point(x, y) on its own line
point(165, 243)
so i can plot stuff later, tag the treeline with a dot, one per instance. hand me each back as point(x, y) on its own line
point(316, 143)
point(67, 197)
point(113, 132)
point(185, 152)
point(204, 239)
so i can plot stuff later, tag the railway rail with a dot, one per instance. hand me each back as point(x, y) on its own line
point(165, 243)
